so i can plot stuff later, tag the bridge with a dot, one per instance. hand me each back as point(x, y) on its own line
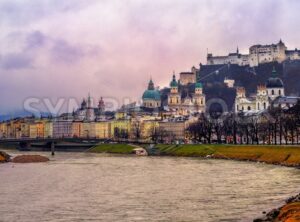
point(51, 139)
point(51, 143)
point(65, 142)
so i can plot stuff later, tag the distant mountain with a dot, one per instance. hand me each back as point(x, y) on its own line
point(21, 113)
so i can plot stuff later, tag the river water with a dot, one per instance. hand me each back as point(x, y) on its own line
point(102, 187)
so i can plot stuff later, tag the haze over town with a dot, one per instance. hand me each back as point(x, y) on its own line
point(55, 49)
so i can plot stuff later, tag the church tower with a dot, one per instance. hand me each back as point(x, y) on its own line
point(262, 99)
point(275, 86)
point(199, 97)
point(240, 92)
point(198, 88)
point(89, 102)
point(90, 115)
point(174, 97)
point(101, 106)
point(240, 97)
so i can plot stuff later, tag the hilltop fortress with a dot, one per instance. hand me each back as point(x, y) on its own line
point(258, 54)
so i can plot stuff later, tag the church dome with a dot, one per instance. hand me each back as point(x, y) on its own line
point(198, 85)
point(151, 95)
point(274, 81)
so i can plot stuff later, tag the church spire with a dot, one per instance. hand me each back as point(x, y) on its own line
point(83, 104)
point(89, 103)
point(101, 105)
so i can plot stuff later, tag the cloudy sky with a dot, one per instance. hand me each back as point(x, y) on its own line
point(67, 48)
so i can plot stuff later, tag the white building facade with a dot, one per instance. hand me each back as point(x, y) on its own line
point(265, 95)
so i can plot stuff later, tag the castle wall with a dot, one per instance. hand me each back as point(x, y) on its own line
point(258, 54)
point(293, 55)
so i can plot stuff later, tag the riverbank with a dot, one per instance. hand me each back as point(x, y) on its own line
point(283, 155)
point(4, 157)
point(290, 212)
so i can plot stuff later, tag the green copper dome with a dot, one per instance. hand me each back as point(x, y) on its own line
point(198, 85)
point(174, 83)
point(151, 95)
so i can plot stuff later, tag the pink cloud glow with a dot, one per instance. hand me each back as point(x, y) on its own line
point(111, 48)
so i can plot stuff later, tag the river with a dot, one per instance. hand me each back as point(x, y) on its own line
point(102, 187)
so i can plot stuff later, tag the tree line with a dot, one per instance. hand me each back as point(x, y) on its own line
point(274, 126)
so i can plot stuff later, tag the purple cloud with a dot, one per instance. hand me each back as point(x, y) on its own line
point(23, 12)
point(62, 51)
point(15, 61)
point(35, 39)
point(36, 42)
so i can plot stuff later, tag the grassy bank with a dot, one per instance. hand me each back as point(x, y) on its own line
point(112, 148)
point(286, 155)
point(9, 146)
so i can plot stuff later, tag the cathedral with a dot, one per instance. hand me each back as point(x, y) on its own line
point(185, 99)
point(151, 97)
point(265, 95)
point(177, 99)
point(88, 113)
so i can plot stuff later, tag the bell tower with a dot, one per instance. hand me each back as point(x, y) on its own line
point(174, 97)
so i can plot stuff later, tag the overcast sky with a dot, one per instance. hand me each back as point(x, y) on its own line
point(110, 48)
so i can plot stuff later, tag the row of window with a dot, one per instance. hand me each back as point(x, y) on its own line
point(152, 104)
point(273, 92)
point(177, 101)
point(249, 107)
